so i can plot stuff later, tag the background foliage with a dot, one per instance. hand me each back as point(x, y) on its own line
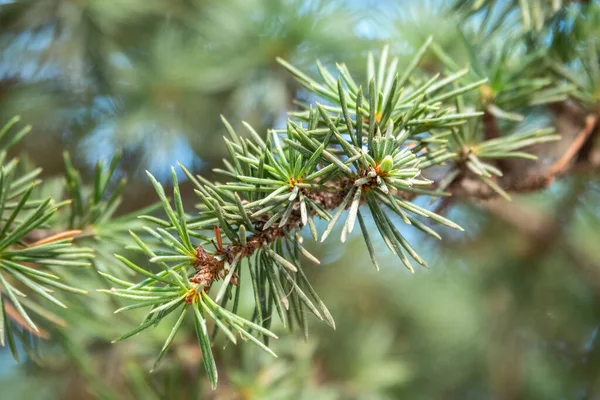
point(508, 309)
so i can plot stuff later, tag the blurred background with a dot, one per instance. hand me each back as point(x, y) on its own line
point(510, 309)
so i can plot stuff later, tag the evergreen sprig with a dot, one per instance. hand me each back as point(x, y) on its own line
point(533, 14)
point(28, 279)
point(574, 52)
point(518, 81)
point(92, 211)
point(356, 150)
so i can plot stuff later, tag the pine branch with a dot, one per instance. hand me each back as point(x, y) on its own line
point(470, 187)
point(23, 264)
point(353, 150)
point(357, 151)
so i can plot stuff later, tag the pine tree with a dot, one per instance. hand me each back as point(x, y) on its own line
point(510, 113)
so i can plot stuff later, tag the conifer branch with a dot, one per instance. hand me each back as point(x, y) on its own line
point(359, 152)
point(352, 152)
point(26, 267)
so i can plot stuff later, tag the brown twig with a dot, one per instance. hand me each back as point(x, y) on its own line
point(574, 147)
point(57, 236)
point(16, 317)
point(210, 266)
point(468, 186)
point(491, 130)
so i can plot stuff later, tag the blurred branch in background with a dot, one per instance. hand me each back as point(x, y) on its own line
point(152, 77)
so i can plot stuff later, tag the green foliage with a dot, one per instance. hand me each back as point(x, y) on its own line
point(27, 267)
point(358, 149)
point(92, 211)
point(533, 13)
point(328, 160)
point(575, 51)
point(355, 149)
point(145, 74)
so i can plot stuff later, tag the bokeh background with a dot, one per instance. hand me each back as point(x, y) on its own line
point(510, 309)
